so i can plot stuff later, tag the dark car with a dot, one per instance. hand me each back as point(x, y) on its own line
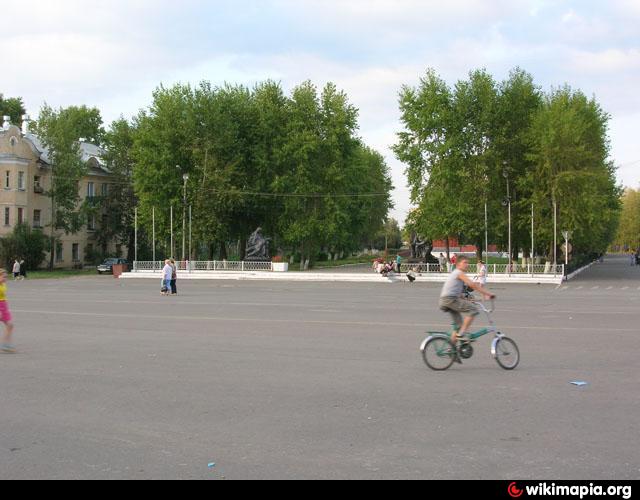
point(107, 265)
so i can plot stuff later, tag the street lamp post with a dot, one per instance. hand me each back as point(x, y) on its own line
point(508, 202)
point(567, 236)
point(185, 178)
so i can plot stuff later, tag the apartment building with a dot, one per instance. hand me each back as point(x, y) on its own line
point(25, 177)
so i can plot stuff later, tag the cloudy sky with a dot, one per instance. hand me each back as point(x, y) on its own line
point(112, 54)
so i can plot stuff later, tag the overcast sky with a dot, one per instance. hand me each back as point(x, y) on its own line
point(112, 54)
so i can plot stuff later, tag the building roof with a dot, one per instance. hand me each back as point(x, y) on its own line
point(87, 150)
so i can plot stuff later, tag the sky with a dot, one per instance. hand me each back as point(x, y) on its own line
point(113, 54)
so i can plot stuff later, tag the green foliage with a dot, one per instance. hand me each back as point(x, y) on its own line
point(389, 237)
point(569, 148)
point(628, 235)
point(485, 143)
point(256, 157)
point(60, 132)
point(118, 206)
point(13, 107)
point(23, 244)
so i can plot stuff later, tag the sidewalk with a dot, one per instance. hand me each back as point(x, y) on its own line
point(370, 277)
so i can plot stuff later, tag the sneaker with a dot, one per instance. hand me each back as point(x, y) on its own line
point(8, 349)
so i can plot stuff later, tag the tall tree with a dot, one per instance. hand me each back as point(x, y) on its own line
point(628, 236)
point(119, 202)
point(12, 107)
point(61, 132)
point(569, 147)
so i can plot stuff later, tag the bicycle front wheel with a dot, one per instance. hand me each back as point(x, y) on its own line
point(507, 353)
point(439, 354)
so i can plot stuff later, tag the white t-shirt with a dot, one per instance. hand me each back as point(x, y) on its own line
point(167, 272)
point(481, 277)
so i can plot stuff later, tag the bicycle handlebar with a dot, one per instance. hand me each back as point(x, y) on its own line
point(493, 306)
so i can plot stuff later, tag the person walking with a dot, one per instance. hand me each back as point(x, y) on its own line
point(174, 278)
point(399, 264)
point(481, 274)
point(442, 260)
point(23, 270)
point(167, 273)
point(454, 262)
point(5, 316)
point(16, 270)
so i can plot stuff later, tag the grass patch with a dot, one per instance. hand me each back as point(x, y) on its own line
point(61, 274)
point(368, 259)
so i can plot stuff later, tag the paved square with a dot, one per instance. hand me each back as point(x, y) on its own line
point(283, 380)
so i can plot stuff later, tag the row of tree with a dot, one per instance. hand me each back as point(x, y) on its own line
point(628, 237)
point(291, 164)
point(481, 143)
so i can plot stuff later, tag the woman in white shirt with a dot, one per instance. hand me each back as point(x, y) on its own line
point(167, 275)
point(482, 273)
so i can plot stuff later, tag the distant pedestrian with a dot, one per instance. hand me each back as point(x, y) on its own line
point(399, 264)
point(16, 270)
point(174, 278)
point(167, 273)
point(481, 274)
point(23, 270)
point(442, 260)
point(632, 259)
point(454, 261)
point(5, 316)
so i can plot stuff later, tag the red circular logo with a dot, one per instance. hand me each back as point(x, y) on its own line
point(514, 491)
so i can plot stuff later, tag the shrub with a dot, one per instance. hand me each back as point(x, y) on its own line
point(26, 244)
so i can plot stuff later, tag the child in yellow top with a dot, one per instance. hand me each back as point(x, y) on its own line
point(5, 316)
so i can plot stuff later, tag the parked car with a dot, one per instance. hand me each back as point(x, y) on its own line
point(107, 265)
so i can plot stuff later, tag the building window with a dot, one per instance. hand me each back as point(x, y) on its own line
point(105, 190)
point(37, 218)
point(89, 257)
point(20, 215)
point(59, 250)
point(7, 180)
point(91, 223)
point(37, 188)
point(7, 216)
point(75, 252)
point(90, 190)
point(21, 181)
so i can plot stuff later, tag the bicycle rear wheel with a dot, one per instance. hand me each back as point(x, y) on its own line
point(507, 353)
point(439, 354)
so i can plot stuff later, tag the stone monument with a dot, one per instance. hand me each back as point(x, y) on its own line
point(258, 247)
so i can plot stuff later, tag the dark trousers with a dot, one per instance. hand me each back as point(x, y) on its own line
point(174, 287)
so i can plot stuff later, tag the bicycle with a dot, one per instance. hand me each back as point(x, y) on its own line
point(439, 353)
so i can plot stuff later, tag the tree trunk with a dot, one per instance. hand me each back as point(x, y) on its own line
point(223, 251)
point(243, 249)
point(448, 244)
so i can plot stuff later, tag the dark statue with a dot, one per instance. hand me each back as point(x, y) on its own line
point(258, 247)
point(421, 250)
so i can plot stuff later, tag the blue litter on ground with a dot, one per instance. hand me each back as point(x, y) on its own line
point(580, 383)
point(211, 465)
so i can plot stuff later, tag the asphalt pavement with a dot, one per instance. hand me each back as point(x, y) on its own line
point(317, 381)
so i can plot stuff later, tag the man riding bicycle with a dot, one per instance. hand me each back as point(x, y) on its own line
point(452, 301)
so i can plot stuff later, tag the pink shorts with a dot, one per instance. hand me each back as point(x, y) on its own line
point(5, 314)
